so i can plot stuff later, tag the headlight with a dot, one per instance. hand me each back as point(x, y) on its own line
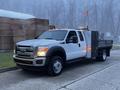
point(42, 51)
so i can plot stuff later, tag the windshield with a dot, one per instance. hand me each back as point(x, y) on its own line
point(54, 35)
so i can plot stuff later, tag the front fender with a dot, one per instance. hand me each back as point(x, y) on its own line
point(53, 51)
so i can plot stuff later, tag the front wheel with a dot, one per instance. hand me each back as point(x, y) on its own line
point(55, 66)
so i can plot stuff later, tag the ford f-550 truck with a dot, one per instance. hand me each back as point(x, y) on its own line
point(54, 48)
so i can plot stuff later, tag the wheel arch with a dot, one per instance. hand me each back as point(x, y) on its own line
point(56, 50)
point(107, 50)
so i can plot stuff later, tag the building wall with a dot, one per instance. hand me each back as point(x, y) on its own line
point(15, 30)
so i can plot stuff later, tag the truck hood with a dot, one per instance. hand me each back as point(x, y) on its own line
point(37, 42)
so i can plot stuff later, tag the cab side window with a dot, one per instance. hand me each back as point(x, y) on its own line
point(80, 36)
point(72, 37)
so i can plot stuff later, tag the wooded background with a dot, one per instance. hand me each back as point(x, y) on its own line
point(102, 15)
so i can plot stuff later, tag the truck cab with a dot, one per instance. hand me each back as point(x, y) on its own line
point(54, 48)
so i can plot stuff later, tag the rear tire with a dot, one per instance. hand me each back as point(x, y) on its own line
point(55, 66)
point(102, 55)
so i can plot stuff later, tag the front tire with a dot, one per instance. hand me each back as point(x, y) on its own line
point(55, 66)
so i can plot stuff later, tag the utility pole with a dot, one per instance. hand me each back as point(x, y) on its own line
point(86, 14)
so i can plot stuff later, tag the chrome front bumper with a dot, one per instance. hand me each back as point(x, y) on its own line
point(30, 62)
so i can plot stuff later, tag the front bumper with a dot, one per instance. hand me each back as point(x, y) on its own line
point(41, 61)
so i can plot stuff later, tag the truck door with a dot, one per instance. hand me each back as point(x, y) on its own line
point(73, 46)
point(82, 43)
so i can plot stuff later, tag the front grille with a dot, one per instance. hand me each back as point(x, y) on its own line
point(26, 52)
point(23, 62)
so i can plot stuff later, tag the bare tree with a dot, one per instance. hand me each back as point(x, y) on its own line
point(72, 14)
point(118, 26)
point(107, 22)
point(93, 16)
point(56, 12)
point(96, 14)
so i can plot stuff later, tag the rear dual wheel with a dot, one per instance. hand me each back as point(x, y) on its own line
point(102, 55)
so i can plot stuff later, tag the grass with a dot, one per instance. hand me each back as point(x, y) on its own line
point(116, 47)
point(6, 60)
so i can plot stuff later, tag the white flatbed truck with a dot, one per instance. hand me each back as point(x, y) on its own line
point(54, 48)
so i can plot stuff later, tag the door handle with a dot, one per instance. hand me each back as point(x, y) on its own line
point(79, 45)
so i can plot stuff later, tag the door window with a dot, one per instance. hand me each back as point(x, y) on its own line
point(80, 36)
point(72, 37)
